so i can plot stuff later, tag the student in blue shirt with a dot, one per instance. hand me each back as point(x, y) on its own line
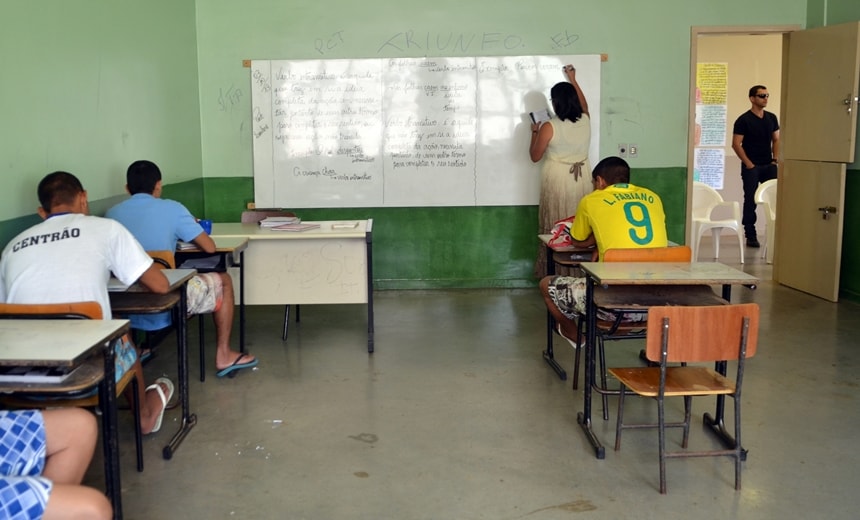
point(158, 224)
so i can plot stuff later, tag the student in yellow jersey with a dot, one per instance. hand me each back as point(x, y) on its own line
point(616, 214)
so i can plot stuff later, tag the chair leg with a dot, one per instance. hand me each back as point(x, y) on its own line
point(580, 323)
point(135, 412)
point(619, 424)
point(688, 412)
point(661, 433)
point(696, 243)
point(738, 446)
point(604, 397)
point(715, 233)
point(201, 327)
point(741, 243)
point(286, 322)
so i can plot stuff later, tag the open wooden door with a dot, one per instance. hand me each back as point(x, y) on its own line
point(819, 131)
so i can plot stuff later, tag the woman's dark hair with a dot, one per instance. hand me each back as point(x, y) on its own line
point(565, 102)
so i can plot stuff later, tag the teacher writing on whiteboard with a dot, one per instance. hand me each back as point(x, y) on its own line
point(563, 143)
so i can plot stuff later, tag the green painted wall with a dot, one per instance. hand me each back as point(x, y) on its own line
point(450, 247)
point(88, 86)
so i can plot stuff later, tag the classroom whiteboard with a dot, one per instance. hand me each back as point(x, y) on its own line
point(405, 131)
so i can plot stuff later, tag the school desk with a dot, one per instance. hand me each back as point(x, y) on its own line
point(568, 256)
point(226, 250)
point(136, 299)
point(327, 265)
point(631, 286)
point(61, 342)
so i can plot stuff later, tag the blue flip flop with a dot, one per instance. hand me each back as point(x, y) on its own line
point(236, 366)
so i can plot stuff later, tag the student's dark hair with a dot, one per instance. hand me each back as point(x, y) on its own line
point(142, 176)
point(58, 188)
point(565, 102)
point(755, 88)
point(614, 170)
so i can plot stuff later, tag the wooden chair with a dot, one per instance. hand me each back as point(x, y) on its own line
point(620, 329)
point(78, 310)
point(253, 216)
point(691, 335)
point(167, 260)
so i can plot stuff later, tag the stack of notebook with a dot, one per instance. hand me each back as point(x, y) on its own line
point(270, 222)
point(295, 227)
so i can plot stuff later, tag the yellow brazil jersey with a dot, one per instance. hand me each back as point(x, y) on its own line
point(621, 216)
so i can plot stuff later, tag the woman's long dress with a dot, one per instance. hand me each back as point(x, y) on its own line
point(561, 188)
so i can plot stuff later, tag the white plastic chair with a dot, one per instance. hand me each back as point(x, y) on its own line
point(766, 196)
point(705, 200)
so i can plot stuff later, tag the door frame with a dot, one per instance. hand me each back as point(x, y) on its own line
point(695, 32)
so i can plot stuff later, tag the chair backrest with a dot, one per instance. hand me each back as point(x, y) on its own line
point(700, 334)
point(766, 194)
point(163, 258)
point(649, 254)
point(705, 199)
point(80, 310)
point(255, 215)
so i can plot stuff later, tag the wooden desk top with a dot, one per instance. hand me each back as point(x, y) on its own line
point(665, 273)
point(255, 232)
point(54, 342)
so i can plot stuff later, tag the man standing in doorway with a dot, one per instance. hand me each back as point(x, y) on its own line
point(755, 139)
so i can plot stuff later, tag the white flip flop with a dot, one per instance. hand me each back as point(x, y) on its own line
point(164, 399)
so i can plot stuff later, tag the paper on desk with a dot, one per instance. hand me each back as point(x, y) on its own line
point(345, 225)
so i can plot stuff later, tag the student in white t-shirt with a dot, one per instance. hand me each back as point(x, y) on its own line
point(69, 257)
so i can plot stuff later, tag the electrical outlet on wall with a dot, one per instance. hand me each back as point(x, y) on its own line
point(622, 149)
point(633, 150)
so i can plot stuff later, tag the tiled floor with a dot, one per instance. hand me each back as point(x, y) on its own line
point(456, 416)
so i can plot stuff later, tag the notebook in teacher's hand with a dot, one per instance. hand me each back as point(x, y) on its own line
point(540, 116)
point(295, 227)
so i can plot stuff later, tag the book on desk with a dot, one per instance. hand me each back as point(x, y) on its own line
point(273, 222)
point(295, 227)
